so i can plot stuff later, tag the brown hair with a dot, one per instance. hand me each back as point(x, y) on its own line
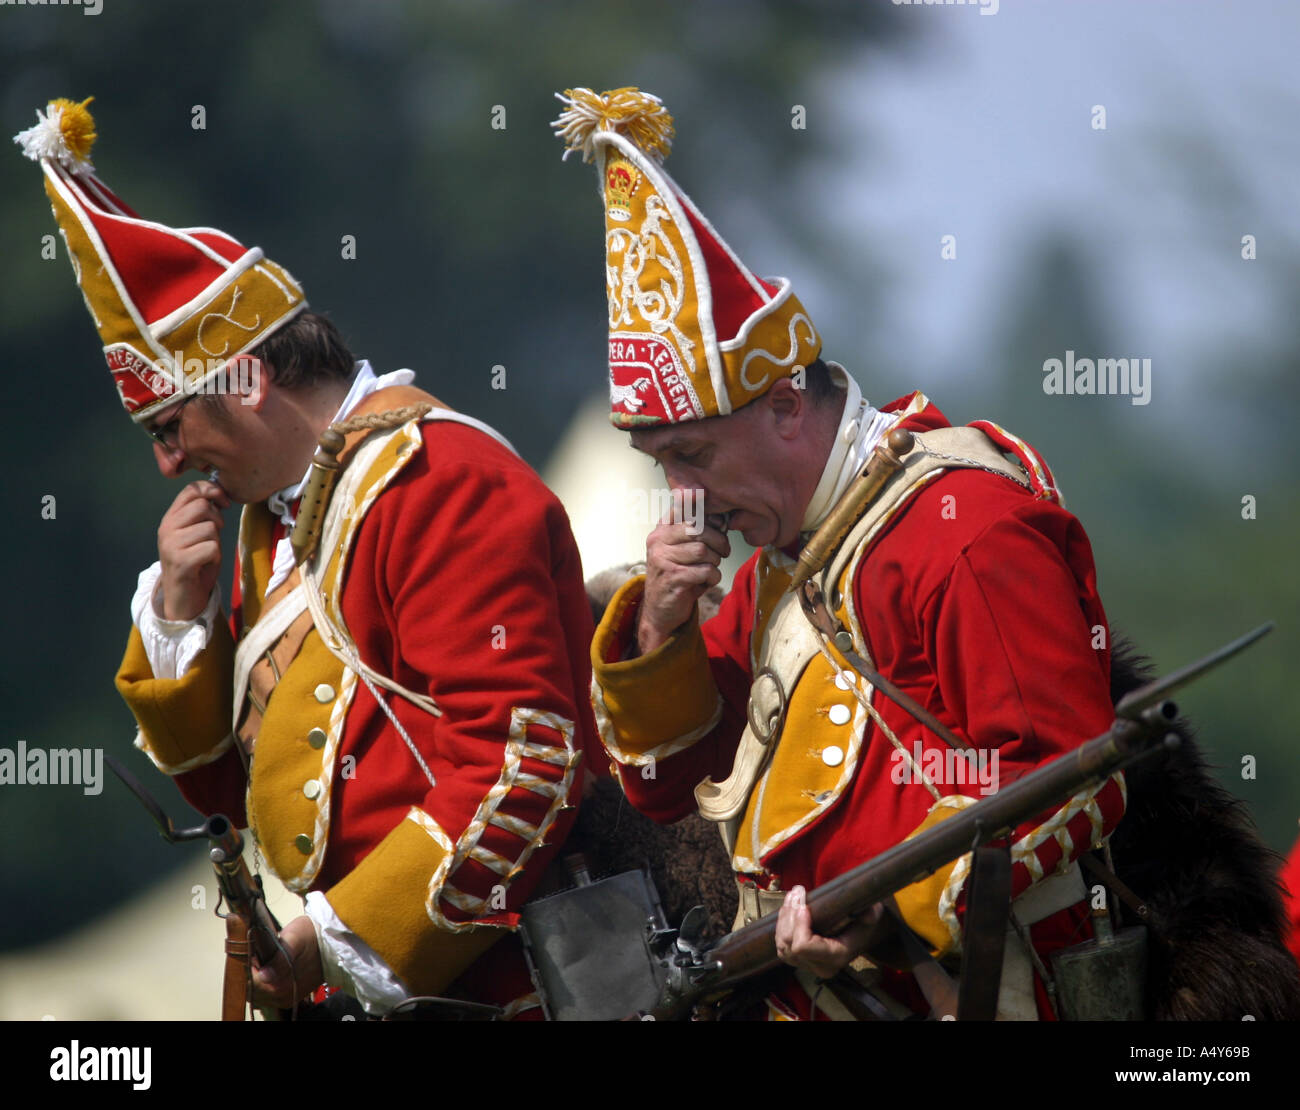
point(306, 351)
point(819, 387)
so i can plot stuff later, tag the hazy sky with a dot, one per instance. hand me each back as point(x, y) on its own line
point(981, 126)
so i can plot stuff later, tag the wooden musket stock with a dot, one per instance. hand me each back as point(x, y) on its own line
point(1141, 729)
point(251, 928)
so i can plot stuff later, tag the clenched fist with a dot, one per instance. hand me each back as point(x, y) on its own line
point(683, 554)
point(189, 549)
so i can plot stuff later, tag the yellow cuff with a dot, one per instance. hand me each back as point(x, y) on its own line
point(385, 901)
point(184, 722)
point(658, 704)
point(920, 903)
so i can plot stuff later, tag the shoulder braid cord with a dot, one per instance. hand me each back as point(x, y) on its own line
point(380, 421)
point(336, 636)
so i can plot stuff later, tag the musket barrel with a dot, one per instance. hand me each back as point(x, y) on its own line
point(1139, 730)
point(750, 949)
point(223, 837)
point(241, 893)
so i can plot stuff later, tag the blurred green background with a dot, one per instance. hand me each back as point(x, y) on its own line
point(477, 247)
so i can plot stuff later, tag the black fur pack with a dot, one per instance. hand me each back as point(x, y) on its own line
point(1190, 850)
point(1186, 846)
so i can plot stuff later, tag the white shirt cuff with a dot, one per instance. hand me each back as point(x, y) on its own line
point(170, 645)
point(349, 962)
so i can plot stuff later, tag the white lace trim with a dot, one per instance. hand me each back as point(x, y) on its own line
point(171, 646)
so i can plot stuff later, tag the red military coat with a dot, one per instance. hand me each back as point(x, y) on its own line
point(1290, 877)
point(979, 599)
point(459, 578)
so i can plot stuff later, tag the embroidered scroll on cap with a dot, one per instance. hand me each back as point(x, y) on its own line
point(172, 305)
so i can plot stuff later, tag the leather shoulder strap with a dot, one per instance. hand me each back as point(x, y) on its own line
point(935, 452)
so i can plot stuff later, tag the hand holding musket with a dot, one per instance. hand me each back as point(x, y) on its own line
point(251, 928)
point(698, 973)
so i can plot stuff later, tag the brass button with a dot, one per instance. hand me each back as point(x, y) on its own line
point(303, 843)
point(324, 693)
point(832, 756)
point(316, 738)
point(839, 715)
point(311, 788)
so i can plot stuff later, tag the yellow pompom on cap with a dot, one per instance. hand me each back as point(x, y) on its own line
point(77, 126)
point(65, 132)
point(638, 115)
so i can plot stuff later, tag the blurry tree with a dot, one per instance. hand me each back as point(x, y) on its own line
point(1180, 568)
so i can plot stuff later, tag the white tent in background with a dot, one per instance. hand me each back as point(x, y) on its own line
point(607, 489)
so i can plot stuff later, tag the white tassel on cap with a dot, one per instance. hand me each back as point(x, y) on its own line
point(65, 132)
point(638, 116)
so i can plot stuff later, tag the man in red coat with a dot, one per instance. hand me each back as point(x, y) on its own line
point(965, 582)
point(409, 679)
point(1291, 884)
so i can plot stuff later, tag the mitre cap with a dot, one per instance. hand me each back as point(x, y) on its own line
point(693, 333)
point(172, 305)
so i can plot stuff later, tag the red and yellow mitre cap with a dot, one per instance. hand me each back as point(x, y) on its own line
point(172, 305)
point(692, 332)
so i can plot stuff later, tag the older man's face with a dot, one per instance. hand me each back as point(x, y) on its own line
point(739, 464)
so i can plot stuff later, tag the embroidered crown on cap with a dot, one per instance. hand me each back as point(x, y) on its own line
point(172, 305)
point(692, 332)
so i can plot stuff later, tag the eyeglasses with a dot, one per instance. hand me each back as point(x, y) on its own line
point(169, 435)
